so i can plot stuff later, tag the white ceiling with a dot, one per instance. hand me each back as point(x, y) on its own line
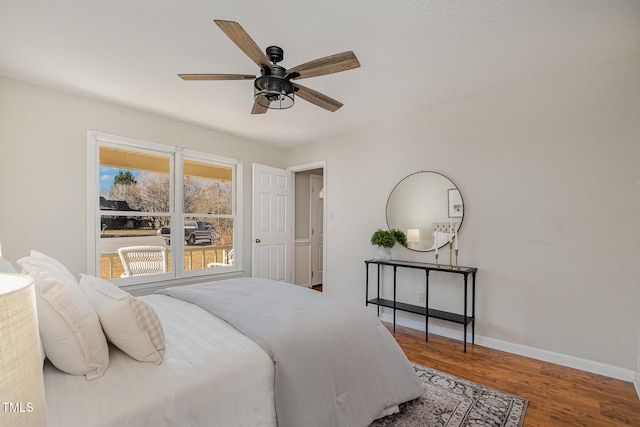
point(415, 54)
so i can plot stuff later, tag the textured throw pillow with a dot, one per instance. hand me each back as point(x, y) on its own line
point(128, 322)
point(69, 327)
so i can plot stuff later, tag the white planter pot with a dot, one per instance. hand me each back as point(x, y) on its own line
point(381, 254)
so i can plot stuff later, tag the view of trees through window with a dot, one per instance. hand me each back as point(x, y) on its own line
point(136, 208)
point(149, 192)
point(145, 191)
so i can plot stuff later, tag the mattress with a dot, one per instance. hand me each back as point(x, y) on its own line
point(211, 375)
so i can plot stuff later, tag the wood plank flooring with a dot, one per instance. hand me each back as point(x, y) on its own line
point(558, 396)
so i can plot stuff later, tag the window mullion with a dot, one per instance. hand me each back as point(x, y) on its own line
point(177, 217)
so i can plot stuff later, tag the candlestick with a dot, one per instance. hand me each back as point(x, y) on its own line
point(450, 254)
point(437, 265)
point(456, 267)
point(455, 236)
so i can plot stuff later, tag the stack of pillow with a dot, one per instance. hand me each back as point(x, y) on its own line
point(76, 319)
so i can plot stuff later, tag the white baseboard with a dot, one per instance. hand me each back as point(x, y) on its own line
point(439, 328)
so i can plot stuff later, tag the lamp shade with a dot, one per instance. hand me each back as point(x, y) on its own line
point(22, 400)
point(413, 235)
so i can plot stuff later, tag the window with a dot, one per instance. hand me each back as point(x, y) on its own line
point(160, 213)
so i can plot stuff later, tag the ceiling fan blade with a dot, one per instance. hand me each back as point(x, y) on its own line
point(327, 65)
point(317, 98)
point(260, 109)
point(216, 76)
point(239, 36)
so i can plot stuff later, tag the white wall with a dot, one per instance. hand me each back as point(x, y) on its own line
point(550, 178)
point(548, 173)
point(43, 172)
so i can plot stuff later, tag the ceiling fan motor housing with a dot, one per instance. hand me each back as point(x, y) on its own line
point(275, 87)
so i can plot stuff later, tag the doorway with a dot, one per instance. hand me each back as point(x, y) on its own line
point(309, 235)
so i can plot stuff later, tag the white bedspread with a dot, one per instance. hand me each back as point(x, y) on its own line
point(336, 364)
point(212, 375)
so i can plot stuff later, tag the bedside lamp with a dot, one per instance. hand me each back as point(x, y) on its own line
point(22, 402)
point(413, 237)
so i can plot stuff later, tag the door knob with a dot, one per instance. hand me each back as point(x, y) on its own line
point(257, 240)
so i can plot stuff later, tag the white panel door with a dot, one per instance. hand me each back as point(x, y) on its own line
point(272, 253)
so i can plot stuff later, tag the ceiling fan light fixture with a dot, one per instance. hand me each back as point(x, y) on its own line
point(274, 90)
point(274, 99)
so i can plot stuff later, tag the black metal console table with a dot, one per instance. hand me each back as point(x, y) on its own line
point(463, 319)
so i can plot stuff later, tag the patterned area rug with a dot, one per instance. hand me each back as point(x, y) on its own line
point(454, 402)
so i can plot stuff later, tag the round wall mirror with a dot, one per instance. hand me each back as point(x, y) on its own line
point(428, 207)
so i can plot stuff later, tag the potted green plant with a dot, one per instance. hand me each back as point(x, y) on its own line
point(400, 236)
point(384, 240)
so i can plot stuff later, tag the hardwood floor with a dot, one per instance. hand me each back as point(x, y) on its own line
point(558, 396)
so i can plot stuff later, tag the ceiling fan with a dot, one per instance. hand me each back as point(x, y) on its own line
point(274, 88)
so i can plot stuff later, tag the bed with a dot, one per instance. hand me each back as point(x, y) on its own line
point(211, 375)
point(246, 365)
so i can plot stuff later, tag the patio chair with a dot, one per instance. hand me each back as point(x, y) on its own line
point(227, 260)
point(141, 260)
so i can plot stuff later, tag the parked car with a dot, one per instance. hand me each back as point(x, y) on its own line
point(194, 231)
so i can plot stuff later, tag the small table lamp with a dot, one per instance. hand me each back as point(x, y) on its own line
point(413, 237)
point(22, 400)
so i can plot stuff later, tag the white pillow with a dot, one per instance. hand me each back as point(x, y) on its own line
point(69, 327)
point(39, 260)
point(128, 322)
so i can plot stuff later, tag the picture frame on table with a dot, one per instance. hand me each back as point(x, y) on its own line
point(455, 203)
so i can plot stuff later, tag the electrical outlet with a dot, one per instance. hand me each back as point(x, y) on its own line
point(421, 297)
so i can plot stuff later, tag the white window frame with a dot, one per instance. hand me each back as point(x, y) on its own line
point(176, 154)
